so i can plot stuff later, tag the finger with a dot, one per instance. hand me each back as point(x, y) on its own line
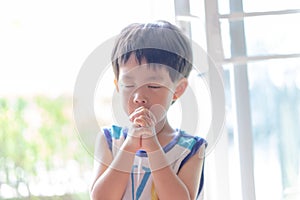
point(141, 111)
point(136, 113)
point(143, 121)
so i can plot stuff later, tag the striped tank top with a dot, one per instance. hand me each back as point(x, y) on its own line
point(140, 186)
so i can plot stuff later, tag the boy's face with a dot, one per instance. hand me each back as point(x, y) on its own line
point(140, 85)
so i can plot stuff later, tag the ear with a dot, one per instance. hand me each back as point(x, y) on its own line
point(180, 88)
point(116, 84)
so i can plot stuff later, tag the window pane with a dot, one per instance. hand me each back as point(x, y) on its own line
point(223, 6)
point(260, 5)
point(225, 34)
point(266, 35)
point(272, 34)
point(270, 5)
point(275, 106)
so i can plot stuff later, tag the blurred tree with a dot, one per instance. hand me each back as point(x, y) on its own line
point(35, 131)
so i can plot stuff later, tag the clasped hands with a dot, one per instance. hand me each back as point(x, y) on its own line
point(142, 135)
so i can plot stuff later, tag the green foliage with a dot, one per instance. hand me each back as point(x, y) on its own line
point(34, 131)
point(80, 196)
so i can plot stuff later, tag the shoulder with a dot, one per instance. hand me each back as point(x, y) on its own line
point(191, 167)
point(113, 133)
point(193, 143)
point(114, 130)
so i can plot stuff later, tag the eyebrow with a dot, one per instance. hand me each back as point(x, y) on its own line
point(151, 78)
point(155, 78)
point(127, 77)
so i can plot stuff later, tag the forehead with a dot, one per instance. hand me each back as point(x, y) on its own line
point(133, 70)
point(146, 72)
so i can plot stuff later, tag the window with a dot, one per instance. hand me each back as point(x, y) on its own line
point(257, 157)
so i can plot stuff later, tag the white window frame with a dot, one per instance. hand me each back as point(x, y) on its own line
point(217, 164)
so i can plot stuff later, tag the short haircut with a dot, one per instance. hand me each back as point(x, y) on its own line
point(159, 42)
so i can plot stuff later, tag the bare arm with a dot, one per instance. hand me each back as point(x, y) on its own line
point(110, 172)
point(191, 172)
point(185, 185)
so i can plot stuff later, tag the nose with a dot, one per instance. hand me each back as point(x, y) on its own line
point(139, 98)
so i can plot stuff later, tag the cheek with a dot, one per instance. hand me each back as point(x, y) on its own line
point(163, 98)
point(125, 100)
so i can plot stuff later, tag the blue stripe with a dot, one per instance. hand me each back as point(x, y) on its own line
point(187, 143)
point(107, 134)
point(143, 182)
point(132, 181)
point(116, 132)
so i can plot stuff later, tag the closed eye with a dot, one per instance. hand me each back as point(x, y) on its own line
point(154, 86)
point(127, 85)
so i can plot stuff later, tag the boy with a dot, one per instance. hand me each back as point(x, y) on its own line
point(149, 159)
